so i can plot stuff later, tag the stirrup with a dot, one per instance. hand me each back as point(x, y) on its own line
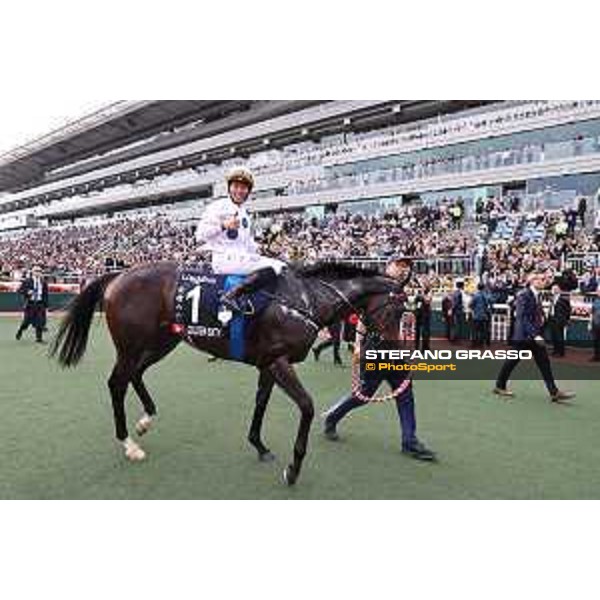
point(234, 306)
point(230, 303)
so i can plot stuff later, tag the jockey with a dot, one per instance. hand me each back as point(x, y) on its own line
point(225, 230)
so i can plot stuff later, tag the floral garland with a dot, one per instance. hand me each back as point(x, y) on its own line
point(357, 386)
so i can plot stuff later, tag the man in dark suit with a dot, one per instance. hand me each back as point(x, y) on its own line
point(481, 313)
point(595, 326)
point(559, 315)
point(458, 312)
point(34, 290)
point(527, 335)
point(571, 216)
point(447, 314)
point(582, 209)
point(423, 319)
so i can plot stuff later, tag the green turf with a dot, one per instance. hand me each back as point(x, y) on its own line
point(56, 435)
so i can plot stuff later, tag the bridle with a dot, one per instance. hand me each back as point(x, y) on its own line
point(371, 327)
point(366, 315)
point(307, 313)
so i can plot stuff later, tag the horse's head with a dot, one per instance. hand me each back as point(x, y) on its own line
point(341, 289)
point(382, 313)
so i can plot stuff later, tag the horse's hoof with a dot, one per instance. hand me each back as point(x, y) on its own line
point(133, 452)
point(144, 425)
point(289, 476)
point(135, 455)
point(267, 457)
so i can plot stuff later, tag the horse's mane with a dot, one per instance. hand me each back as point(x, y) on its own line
point(330, 270)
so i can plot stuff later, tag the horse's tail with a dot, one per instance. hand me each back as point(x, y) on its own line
point(71, 340)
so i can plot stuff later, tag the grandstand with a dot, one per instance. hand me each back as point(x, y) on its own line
point(456, 184)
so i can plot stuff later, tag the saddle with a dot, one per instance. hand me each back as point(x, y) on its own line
point(200, 314)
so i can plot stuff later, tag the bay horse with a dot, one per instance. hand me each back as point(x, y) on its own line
point(139, 310)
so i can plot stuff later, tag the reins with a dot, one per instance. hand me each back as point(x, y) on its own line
point(356, 383)
point(366, 316)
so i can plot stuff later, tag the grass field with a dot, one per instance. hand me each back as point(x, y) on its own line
point(56, 435)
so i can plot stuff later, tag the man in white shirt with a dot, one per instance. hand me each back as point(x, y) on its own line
point(225, 230)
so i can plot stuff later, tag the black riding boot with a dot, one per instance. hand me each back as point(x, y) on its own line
point(252, 283)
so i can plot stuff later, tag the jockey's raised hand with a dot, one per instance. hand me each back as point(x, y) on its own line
point(231, 223)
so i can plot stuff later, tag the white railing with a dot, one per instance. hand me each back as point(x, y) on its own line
point(580, 262)
point(460, 265)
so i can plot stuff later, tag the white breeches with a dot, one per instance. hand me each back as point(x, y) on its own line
point(243, 263)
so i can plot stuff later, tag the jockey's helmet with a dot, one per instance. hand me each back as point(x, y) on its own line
point(241, 174)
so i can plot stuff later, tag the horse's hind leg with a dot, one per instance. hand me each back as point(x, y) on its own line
point(118, 383)
point(144, 423)
point(265, 387)
point(286, 378)
point(149, 358)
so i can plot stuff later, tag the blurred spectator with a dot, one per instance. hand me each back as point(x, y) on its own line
point(582, 209)
point(481, 315)
point(595, 326)
point(423, 301)
point(559, 314)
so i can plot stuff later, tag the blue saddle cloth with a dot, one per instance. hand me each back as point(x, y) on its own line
point(198, 309)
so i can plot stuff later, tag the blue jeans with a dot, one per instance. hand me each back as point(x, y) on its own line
point(405, 405)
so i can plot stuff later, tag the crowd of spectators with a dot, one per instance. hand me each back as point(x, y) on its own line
point(86, 250)
point(81, 251)
point(409, 231)
point(430, 233)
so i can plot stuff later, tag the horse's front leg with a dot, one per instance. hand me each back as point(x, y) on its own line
point(263, 394)
point(286, 378)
